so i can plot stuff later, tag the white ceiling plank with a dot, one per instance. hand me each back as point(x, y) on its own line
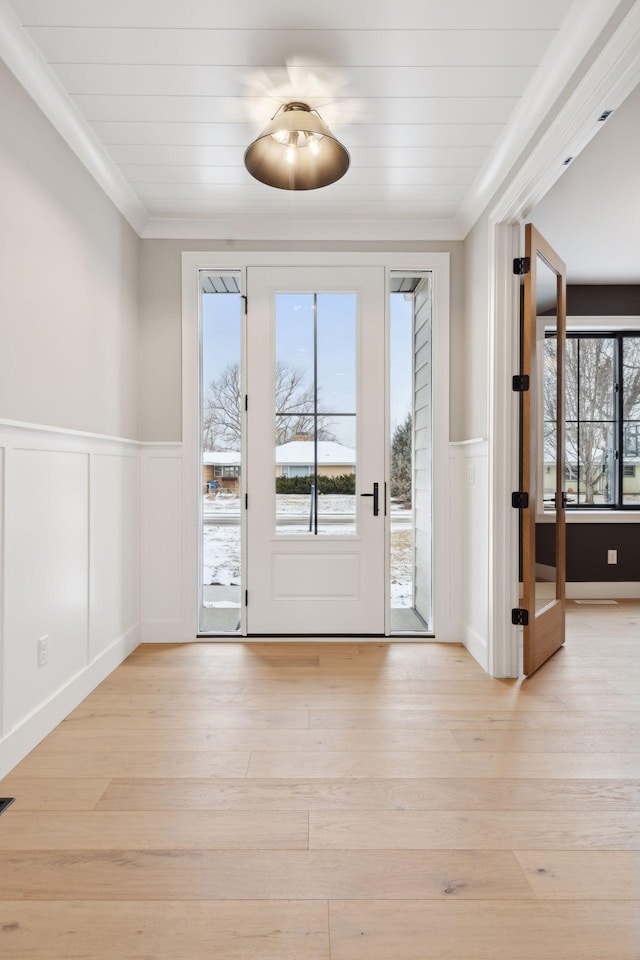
point(172, 109)
point(360, 156)
point(297, 205)
point(309, 229)
point(339, 191)
point(352, 134)
point(367, 176)
point(286, 83)
point(319, 48)
point(281, 15)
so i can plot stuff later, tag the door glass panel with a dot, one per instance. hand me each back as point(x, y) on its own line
point(337, 353)
point(221, 423)
point(547, 324)
point(315, 416)
point(410, 447)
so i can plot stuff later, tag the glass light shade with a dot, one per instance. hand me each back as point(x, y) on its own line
point(296, 151)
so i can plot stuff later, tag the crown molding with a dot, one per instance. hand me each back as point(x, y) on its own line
point(25, 61)
point(580, 30)
point(285, 228)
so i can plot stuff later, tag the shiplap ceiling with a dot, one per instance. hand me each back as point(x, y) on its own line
point(421, 92)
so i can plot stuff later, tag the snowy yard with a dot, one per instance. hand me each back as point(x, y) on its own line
point(221, 554)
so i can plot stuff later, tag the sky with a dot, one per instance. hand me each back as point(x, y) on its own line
point(221, 343)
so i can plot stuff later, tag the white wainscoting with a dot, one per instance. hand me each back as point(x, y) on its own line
point(469, 524)
point(163, 596)
point(69, 543)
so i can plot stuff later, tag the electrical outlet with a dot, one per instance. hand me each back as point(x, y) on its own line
point(43, 651)
point(612, 556)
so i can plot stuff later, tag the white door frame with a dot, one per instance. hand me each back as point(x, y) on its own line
point(612, 76)
point(445, 605)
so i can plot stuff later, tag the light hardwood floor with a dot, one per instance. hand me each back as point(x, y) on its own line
point(336, 802)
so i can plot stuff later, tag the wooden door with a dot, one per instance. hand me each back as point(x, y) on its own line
point(543, 521)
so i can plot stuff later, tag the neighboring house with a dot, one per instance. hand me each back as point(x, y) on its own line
point(221, 467)
point(294, 459)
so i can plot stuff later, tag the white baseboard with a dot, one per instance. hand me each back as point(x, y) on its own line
point(21, 740)
point(606, 590)
point(164, 631)
point(476, 645)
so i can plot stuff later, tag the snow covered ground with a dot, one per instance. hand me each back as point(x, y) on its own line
point(221, 554)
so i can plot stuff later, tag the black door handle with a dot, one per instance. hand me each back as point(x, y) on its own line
point(376, 509)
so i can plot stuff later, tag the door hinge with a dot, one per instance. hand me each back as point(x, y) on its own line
point(520, 499)
point(520, 617)
point(246, 598)
point(244, 299)
point(521, 265)
point(246, 501)
point(246, 402)
point(520, 382)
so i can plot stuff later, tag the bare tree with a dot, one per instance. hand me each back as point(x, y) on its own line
point(222, 422)
point(590, 414)
point(401, 461)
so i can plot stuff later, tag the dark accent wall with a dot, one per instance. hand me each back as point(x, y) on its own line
point(587, 545)
point(603, 300)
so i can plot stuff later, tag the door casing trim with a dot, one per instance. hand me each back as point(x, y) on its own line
point(446, 620)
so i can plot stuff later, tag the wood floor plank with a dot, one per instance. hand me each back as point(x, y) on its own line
point(272, 875)
point(301, 695)
point(473, 830)
point(411, 717)
point(559, 740)
point(155, 830)
point(272, 709)
point(582, 874)
point(350, 794)
point(414, 930)
point(136, 764)
point(618, 766)
point(119, 715)
point(55, 794)
point(119, 685)
point(621, 702)
point(245, 930)
point(625, 685)
point(77, 739)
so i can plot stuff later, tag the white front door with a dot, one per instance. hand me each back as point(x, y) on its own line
point(315, 462)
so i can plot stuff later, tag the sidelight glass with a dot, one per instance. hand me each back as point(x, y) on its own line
point(221, 432)
point(410, 452)
point(315, 388)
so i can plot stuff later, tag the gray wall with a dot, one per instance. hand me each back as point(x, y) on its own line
point(160, 322)
point(68, 283)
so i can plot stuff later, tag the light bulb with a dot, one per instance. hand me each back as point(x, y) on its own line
point(291, 154)
point(281, 136)
point(313, 144)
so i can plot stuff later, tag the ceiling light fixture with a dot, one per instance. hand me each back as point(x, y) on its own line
point(296, 151)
